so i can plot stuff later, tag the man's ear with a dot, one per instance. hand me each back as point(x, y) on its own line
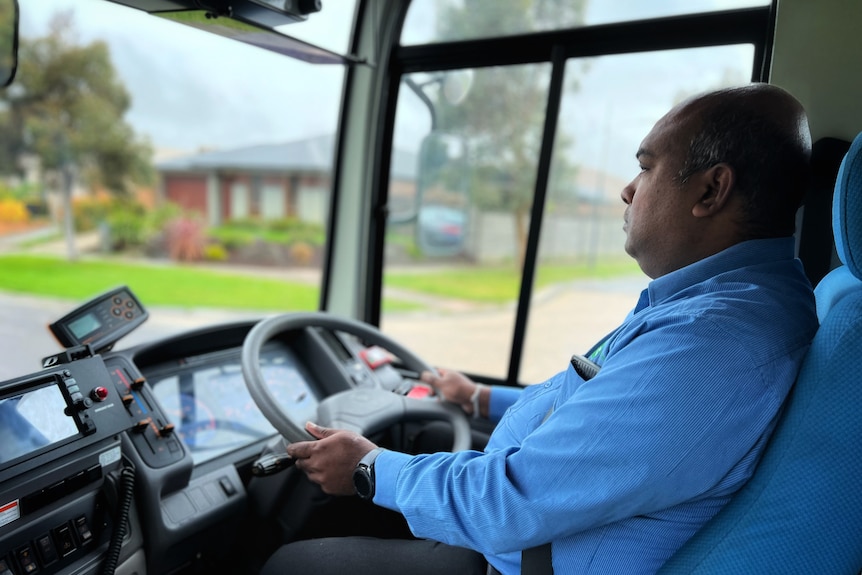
point(717, 188)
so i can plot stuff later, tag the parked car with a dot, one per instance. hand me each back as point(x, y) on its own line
point(441, 230)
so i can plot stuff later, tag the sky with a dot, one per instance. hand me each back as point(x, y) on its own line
point(192, 90)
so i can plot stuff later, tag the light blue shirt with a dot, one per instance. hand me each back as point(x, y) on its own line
point(630, 464)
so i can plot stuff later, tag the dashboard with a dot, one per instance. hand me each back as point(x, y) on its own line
point(160, 438)
point(206, 398)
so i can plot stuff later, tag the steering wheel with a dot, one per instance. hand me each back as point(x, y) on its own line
point(365, 410)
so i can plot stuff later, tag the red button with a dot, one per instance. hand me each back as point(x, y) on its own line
point(100, 393)
point(420, 392)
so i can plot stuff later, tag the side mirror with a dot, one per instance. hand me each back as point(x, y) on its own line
point(443, 195)
point(8, 41)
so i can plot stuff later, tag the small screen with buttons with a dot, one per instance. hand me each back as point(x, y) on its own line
point(32, 420)
point(101, 321)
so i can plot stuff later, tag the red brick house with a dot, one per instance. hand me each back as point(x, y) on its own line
point(269, 181)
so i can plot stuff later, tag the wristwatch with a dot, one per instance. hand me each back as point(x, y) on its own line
point(363, 475)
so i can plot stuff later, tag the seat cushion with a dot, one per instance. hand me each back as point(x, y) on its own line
point(847, 209)
point(802, 510)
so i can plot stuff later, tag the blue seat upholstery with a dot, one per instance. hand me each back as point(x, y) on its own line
point(802, 510)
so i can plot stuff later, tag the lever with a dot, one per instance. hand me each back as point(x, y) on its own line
point(271, 463)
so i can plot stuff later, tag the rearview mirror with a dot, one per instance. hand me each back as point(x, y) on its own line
point(8, 41)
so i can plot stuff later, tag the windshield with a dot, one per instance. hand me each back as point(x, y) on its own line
point(193, 168)
point(199, 170)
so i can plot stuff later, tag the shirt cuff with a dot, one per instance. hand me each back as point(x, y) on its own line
point(501, 399)
point(387, 467)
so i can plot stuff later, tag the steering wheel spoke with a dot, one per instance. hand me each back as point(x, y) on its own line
point(364, 410)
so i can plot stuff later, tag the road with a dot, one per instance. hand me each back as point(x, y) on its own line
point(562, 323)
point(564, 320)
point(26, 318)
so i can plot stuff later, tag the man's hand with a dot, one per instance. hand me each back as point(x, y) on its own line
point(331, 459)
point(455, 387)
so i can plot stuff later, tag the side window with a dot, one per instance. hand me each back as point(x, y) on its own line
point(454, 247)
point(455, 243)
point(585, 283)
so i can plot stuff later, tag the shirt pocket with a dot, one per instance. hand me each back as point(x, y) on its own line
point(526, 414)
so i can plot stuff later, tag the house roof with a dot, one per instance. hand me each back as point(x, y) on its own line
point(308, 155)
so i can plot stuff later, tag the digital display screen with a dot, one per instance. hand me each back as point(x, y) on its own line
point(33, 420)
point(85, 325)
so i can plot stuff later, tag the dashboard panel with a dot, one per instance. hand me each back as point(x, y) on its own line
point(206, 398)
point(162, 437)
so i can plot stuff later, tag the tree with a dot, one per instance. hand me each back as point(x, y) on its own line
point(66, 107)
point(7, 39)
point(502, 115)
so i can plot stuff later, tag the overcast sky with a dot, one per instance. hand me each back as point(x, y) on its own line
point(192, 90)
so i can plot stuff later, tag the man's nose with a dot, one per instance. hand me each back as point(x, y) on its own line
point(628, 193)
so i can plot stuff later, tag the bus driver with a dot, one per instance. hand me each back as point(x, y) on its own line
point(619, 471)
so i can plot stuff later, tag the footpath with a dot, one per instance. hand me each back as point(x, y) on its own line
point(19, 240)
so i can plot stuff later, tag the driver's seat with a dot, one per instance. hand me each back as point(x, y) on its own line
point(802, 510)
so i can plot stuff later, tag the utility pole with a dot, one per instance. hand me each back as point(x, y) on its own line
point(67, 176)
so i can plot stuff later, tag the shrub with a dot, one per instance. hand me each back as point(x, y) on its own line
point(215, 253)
point(127, 221)
point(161, 216)
point(89, 212)
point(26, 192)
point(283, 224)
point(231, 238)
point(249, 224)
point(302, 253)
point(186, 239)
point(293, 230)
point(13, 211)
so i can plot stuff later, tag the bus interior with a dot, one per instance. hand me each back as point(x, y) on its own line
point(328, 197)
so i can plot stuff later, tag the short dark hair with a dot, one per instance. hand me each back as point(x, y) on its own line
point(760, 131)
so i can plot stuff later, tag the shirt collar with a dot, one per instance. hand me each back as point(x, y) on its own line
point(743, 254)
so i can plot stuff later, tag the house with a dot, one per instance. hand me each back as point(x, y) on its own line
point(269, 181)
point(274, 181)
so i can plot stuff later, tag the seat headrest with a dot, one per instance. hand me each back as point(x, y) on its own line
point(847, 209)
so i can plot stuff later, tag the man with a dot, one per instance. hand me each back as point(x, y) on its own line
point(617, 472)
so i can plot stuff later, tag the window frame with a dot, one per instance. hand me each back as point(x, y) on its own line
point(753, 26)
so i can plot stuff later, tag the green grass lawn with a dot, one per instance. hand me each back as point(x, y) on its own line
point(501, 284)
point(188, 286)
point(168, 285)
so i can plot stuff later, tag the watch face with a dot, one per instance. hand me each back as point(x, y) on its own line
point(362, 482)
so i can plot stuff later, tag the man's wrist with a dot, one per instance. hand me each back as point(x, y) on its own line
point(474, 400)
point(363, 474)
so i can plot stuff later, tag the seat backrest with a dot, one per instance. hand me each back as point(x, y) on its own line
point(802, 510)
